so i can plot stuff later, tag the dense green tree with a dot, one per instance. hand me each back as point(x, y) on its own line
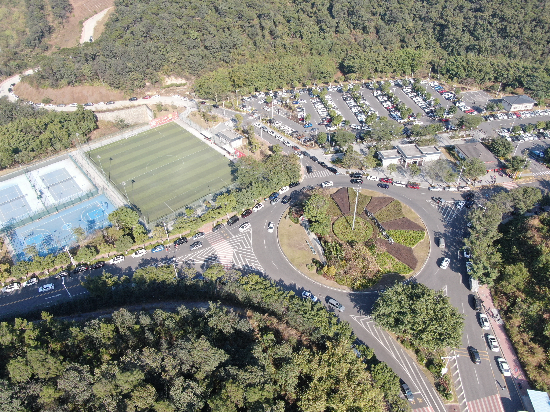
point(517, 164)
point(124, 243)
point(501, 147)
point(421, 315)
point(473, 168)
point(124, 218)
point(315, 210)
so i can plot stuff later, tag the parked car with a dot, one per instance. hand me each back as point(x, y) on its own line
point(469, 267)
point(30, 282)
point(219, 226)
point(328, 183)
point(467, 253)
point(477, 304)
point(407, 392)
point(233, 219)
point(61, 274)
point(12, 287)
point(116, 259)
point(110, 102)
point(294, 184)
point(132, 99)
point(474, 355)
point(80, 269)
point(257, 207)
point(285, 200)
point(309, 169)
point(98, 265)
point(246, 213)
point(435, 188)
point(196, 245)
point(356, 181)
point(139, 253)
point(371, 177)
point(383, 185)
point(310, 296)
point(442, 242)
point(386, 180)
point(445, 263)
point(503, 367)
point(413, 185)
point(46, 288)
point(180, 241)
point(244, 227)
point(484, 321)
point(493, 343)
point(198, 235)
point(284, 189)
point(274, 201)
point(336, 305)
point(158, 248)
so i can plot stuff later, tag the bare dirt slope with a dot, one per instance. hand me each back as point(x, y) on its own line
point(89, 25)
point(68, 95)
point(69, 34)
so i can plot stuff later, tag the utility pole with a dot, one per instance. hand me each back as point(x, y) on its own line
point(355, 209)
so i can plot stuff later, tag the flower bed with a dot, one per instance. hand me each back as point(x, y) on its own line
point(378, 203)
point(392, 211)
point(342, 229)
point(402, 253)
point(402, 224)
point(408, 238)
point(342, 200)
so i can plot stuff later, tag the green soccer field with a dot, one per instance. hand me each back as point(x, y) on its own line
point(163, 169)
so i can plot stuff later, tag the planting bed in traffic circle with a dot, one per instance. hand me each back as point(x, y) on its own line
point(363, 257)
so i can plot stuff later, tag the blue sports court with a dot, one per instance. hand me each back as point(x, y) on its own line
point(51, 234)
point(13, 204)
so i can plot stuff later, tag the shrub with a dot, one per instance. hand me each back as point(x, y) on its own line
point(342, 228)
point(390, 212)
point(408, 238)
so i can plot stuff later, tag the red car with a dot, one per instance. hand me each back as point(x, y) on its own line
point(386, 180)
point(412, 185)
point(146, 97)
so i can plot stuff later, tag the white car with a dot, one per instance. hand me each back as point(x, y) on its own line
point(371, 177)
point(139, 253)
point(493, 343)
point(270, 227)
point(503, 366)
point(328, 183)
point(460, 204)
point(445, 263)
point(284, 189)
point(435, 188)
point(257, 207)
point(310, 296)
point(29, 282)
point(484, 321)
point(73, 105)
point(244, 227)
point(46, 288)
point(10, 288)
point(469, 267)
point(116, 259)
point(467, 253)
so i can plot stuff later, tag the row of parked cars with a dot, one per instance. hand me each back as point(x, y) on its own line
point(451, 96)
point(517, 115)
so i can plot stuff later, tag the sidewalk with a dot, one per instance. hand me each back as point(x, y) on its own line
point(508, 351)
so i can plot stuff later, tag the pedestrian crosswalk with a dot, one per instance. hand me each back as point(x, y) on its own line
point(509, 185)
point(449, 210)
point(489, 404)
point(230, 251)
point(546, 172)
point(318, 173)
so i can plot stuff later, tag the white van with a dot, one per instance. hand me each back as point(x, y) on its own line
point(400, 184)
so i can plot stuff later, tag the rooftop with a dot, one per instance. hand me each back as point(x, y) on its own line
point(409, 150)
point(539, 400)
point(387, 154)
point(477, 151)
point(427, 150)
point(521, 99)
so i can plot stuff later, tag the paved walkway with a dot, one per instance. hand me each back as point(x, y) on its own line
point(508, 351)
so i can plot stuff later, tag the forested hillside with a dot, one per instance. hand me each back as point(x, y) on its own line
point(272, 351)
point(247, 44)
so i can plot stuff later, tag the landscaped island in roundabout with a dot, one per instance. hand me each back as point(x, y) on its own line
point(386, 243)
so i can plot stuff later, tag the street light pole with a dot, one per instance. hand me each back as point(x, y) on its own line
point(355, 209)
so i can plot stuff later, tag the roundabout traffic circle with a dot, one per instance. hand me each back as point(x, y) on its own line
point(365, 240)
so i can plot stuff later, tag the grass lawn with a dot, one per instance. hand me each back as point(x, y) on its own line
point(163, 169)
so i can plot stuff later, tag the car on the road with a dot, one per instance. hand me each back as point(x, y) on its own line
point(116, 259)
point(246, 213)
point(88, 104)
point(407, 391)
point(270, 227)
point(484, 321)
point(195, 245)
point(73, 105)
point(244, 227)
point(383, 185)
point(328, 183)
point(445, 263)
point(146, 97)
point(80, 269)
point(97, 265)
point(234, 219)
point(310, 296)
point(158, 248)
point(294, 184)
point(493, 343)
point(110, 102)
point(356, 175)
point(61, 105)
point(180, 241)
point(219, 226)
point(474, 355)
point(198, 235)
point(435, 189)
point(503, 367)
point(460, 204)
point(309, 169)
point(413, 185)
point(61, 274)
point(357, 181)
point(386, 180)
point(438, 200)
point(284, 189)
point(29, 282)
point(139, 253)
point(336, 305)
point(12, 287)
point(371, 177)
point(257, 207)
point(132, 99)
point(285, 200)
point(46, 288)
point(274, 201)
point(469, 267)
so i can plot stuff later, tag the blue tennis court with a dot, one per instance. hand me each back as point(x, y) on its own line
point(51, 234)
point(12, 204)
